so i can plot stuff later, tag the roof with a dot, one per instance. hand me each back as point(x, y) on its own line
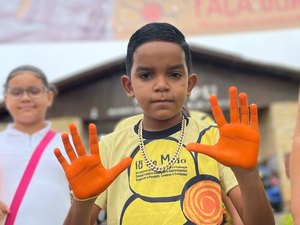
point(198, 53)
point(204, 55)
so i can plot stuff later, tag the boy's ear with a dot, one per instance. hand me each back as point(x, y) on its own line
point(127, 85)
point(193, 78)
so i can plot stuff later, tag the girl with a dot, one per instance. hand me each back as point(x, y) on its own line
point(33, 188)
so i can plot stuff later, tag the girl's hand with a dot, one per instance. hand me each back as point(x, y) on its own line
point(4, 210)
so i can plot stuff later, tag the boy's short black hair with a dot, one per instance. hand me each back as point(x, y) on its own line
point(157, 32)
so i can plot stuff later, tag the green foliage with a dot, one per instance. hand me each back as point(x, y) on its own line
point(285, 219)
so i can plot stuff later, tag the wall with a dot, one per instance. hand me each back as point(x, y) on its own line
point(282, 121)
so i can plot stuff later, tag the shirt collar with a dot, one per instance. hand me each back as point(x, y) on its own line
point(13, 131)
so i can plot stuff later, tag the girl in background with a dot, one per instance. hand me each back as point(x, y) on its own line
point(33, 188)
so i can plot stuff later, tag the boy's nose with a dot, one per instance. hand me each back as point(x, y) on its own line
point(161, 84)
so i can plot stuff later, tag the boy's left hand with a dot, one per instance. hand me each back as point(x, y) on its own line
point(238, 144)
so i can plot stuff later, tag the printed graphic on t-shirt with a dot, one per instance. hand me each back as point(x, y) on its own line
point(179, 195)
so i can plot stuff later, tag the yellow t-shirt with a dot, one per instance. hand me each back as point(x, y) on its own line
point(129, 121)
point(189, 192)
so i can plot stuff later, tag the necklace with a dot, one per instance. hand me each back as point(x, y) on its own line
point(149, 163)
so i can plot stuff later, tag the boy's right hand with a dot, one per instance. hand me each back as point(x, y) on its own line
point(85, 173)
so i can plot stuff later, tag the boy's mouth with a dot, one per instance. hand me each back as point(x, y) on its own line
point(162, 100)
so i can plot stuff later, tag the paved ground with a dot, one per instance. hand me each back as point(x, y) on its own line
point(280, 218)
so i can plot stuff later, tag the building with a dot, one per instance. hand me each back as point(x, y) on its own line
point(96, 95)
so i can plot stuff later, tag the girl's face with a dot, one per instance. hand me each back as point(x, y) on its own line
point(27, 99)
point(160, 81)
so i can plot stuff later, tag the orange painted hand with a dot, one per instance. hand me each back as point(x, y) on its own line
point(85, 173)
point(238, 144)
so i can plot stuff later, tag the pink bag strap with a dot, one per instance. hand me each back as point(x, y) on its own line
point(32, 164)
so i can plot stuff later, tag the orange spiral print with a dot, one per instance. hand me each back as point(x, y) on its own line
point(202, 203)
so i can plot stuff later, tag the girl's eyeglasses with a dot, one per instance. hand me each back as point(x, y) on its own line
point(32, 92)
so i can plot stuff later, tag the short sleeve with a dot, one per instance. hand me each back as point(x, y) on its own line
point(227, 178)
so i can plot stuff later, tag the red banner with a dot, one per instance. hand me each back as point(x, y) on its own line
point(199, 17)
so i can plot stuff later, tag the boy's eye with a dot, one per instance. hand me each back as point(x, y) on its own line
point(145, 75)
point(175, 74)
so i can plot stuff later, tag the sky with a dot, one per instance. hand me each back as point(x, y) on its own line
point(62, 60)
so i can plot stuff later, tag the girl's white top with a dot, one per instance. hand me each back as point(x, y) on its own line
point(47, 198)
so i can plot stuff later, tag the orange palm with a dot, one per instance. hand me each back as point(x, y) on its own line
point(238, 144)
point(86, 174)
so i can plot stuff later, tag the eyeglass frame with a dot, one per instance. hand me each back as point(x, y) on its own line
point(28, 91)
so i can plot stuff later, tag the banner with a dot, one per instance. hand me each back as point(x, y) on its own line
point(201, 17)
point(94, 20)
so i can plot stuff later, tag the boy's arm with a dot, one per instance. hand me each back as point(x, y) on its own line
point(295, 171)
point(256, 208)
point(238, 148)
point(231, 209)
point(86, 174)
point(80, 213)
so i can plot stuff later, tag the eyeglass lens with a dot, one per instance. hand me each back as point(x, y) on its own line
point(33, 92)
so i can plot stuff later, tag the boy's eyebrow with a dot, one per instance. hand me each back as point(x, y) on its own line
point(177, 66)
point(141, 68)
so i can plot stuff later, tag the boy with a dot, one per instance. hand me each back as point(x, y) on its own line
point(166, 183)
point(230, 214)
point(128, 121)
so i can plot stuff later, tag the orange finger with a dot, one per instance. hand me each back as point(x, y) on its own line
point(68, 147)
point(120, 167)
point(94, 146)
point(215, 152)
point(200, 148)
point(63, 162)
point(94, 142)
point(254, 117)
point(76, 140)
point(234, 108)
point(217, 111)
point(244, 109)
point(245, 160)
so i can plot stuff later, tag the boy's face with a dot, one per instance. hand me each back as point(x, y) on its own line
point(159, 79)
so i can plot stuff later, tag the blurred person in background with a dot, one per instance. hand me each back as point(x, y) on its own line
point(34, 190)
point(294, 171)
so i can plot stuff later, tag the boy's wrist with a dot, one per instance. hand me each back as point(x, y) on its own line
point(86, 204)
point(243, 175)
